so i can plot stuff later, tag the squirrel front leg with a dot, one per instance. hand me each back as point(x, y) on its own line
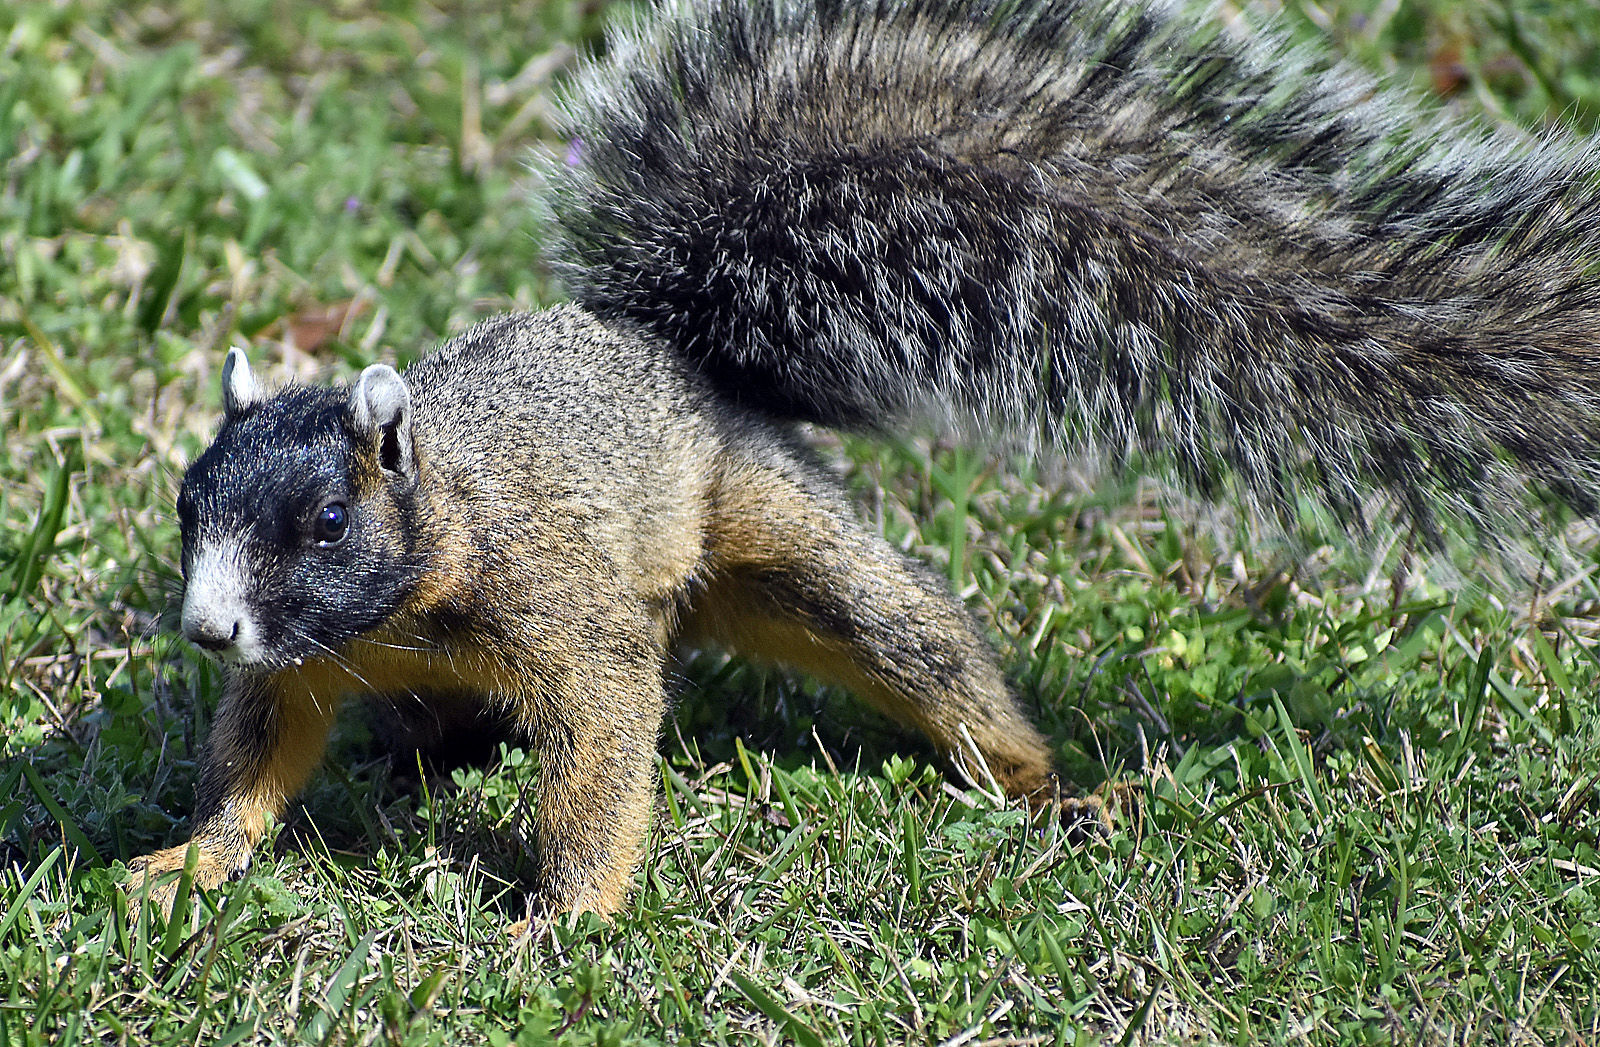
point(269, 735)
point(596, 742)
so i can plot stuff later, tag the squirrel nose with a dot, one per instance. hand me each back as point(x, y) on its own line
point(216, 604)
point(212, 634)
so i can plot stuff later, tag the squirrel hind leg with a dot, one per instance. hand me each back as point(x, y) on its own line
point(794, 579)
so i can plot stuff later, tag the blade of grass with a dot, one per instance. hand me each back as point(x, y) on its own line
point(40, 540)
point(769, 1005)
point(20, 901)
point(69, 828)
point(322, 1025)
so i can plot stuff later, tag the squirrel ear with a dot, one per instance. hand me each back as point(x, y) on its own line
point(240, 390)
point(381, 405)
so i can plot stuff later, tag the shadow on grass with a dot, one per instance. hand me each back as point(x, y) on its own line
point(119, 780)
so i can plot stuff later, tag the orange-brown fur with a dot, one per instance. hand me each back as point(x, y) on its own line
point(563, 563)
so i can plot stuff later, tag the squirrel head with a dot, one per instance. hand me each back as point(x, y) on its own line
point(299, 521)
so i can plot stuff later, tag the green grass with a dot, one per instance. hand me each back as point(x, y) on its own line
point(1365, 803)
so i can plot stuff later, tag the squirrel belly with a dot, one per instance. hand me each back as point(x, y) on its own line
point(1094, 220)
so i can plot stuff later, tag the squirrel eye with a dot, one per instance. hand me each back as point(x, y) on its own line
point(332, 524)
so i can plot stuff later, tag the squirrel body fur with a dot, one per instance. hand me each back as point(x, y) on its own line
point(1093, 220)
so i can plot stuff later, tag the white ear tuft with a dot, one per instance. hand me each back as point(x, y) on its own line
point(381, 407)
point(240, 390)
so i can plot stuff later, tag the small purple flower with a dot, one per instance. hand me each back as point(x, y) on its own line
point(351, 205)
point(575, 152)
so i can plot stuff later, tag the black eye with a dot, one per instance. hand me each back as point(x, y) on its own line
point(332, 524)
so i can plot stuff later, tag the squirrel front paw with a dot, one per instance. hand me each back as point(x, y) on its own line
point(154, 878)
point(1085, 817)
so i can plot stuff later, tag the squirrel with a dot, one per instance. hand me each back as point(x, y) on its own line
point(1099, 223)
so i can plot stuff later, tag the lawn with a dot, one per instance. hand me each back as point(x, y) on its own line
point(1362, 786)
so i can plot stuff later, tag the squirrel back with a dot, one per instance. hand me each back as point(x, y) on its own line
point(1097, 217)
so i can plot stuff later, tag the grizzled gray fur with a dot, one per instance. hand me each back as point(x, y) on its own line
point(1142, 233)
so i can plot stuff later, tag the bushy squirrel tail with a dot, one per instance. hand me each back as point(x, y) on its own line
point(1137, 231)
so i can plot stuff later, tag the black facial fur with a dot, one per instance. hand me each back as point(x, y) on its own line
point(326, 548)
